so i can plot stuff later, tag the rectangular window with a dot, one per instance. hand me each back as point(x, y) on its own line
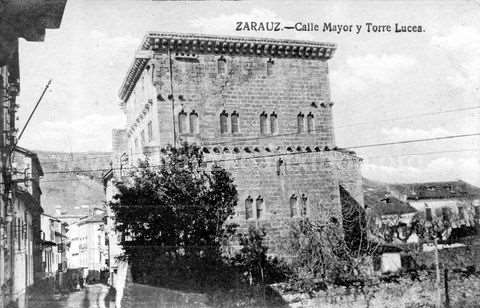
point(19, 233)
point(150, 131)
point(445, 214)
point(461, 213)
point(428, 214)
point(142, 137)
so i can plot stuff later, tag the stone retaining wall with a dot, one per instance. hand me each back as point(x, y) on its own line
point(463, 292)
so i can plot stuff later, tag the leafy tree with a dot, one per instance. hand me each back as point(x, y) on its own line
point(176, 213)
point(253, 260)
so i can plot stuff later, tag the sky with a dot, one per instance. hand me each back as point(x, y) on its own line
point(386, 86)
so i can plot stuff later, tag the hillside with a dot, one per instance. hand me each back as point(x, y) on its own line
point(72, 182)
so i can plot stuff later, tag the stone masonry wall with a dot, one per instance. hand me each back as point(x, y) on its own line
point(291, 88)
point(315, 175)
point(463, 292)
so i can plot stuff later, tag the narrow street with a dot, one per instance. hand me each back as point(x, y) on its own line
point(92, 296)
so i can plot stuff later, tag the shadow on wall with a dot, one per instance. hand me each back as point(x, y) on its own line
point(146, 295)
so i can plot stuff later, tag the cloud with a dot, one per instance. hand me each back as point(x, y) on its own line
point(92, 132)
point(360, 73)
point(460, 38)
point(466, 167)
point(462, 48)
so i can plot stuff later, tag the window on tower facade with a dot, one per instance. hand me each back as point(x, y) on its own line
point(150, 131)
point(182, 122)
point(234, 120)
point(223, 122)
point(193, 122)
point(304, 207)
point(259, 207)
point(248, 208)
point(300, 123)
point(269, 67)
point(142, 137)
point(273, 123)
point(310, 123)
point(263, 123)
point(222, 65)
point(136, 145)
point(293, 205)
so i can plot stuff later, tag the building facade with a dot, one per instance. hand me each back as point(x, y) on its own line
point(87, 243)
point(110, 180)
point(54, 249)
point(261, 108)
point(16, 22)
point(22, 258)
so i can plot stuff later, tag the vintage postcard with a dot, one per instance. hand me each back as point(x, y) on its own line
point(239, 154)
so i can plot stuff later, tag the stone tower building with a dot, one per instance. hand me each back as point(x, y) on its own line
point(259, 107)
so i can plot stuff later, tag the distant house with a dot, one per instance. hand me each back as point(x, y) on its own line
point(88, 248)
point(54, 247)
point(390, 215)
point(457, 202)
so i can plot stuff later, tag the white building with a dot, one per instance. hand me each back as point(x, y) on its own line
point(88, 249)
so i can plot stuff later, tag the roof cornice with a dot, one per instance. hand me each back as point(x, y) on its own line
point(162, 42)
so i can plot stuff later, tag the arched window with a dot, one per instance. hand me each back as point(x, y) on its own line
point(300, 123)
point(273, 123)
point(234, 120)
point(223, 122)
point(310, 123)
point(222, 65)
point(248, 207)
point(193, 122)
point(304, 208)
point(260, 207)
point(293, 205)
point(269, 67)
point(263, 123)
point(182, 122)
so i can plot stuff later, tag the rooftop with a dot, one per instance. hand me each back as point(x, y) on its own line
point(437, 190)
point(91, 219)
point(382, 203)
point(218, 44)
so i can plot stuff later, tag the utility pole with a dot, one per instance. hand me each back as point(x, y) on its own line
point(437, 270)
point(445, 281)
point(15, 142)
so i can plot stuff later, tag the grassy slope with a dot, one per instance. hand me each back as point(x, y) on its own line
point(70, 191)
